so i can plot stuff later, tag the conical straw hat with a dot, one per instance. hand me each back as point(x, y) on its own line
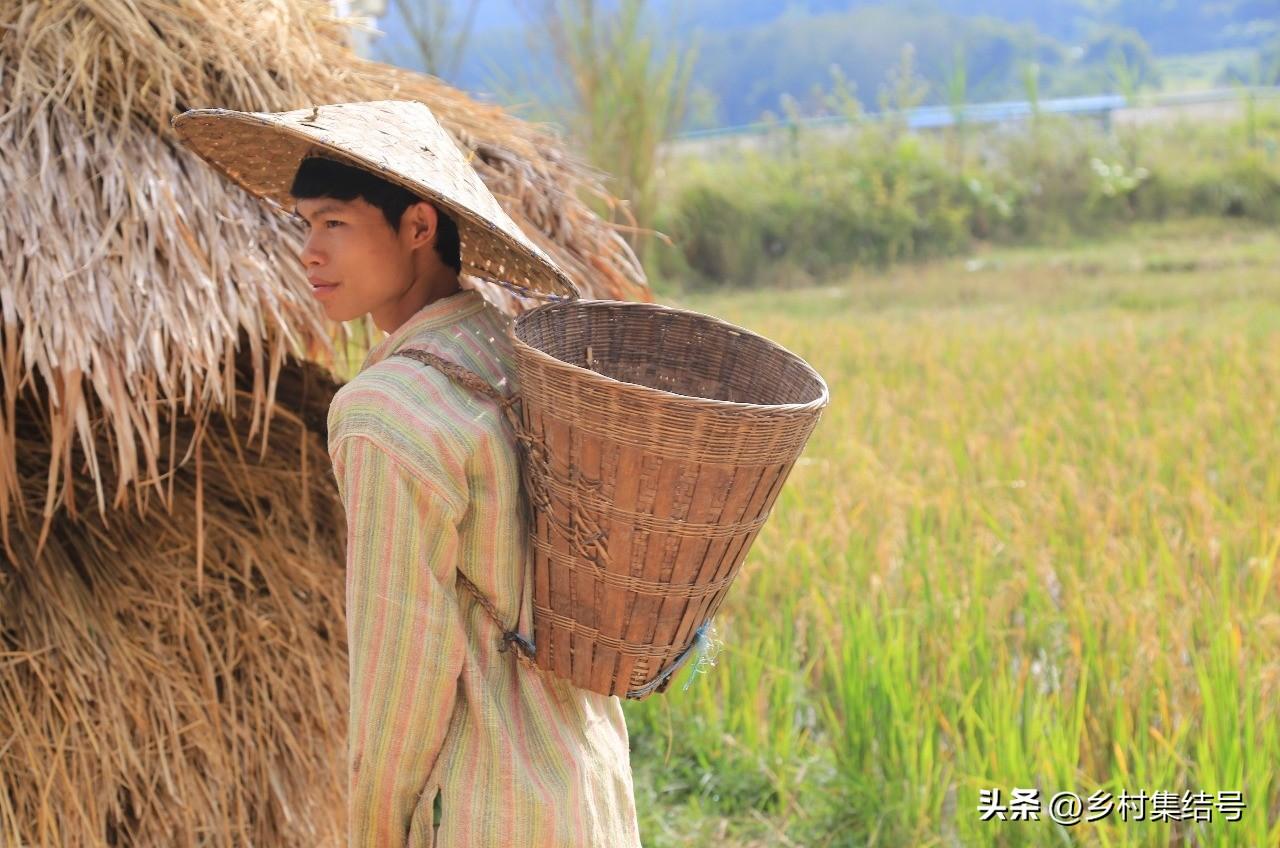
point(398, 140)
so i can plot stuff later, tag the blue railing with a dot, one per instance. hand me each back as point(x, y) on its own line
point(931, 117)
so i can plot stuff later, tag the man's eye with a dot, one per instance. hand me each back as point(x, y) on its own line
point(332, 224)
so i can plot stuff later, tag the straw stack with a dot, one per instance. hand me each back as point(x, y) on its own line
point(146, 701)
point(172, 661)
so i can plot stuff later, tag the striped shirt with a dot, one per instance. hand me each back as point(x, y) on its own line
point(440, 719)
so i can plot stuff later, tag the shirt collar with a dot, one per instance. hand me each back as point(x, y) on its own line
point(437, 313)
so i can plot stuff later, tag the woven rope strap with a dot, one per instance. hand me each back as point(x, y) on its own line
point(535, 469)
point(471, 380)
point(524, 648)
point(467, 378)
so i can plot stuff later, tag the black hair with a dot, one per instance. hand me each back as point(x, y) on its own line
point(320, 177)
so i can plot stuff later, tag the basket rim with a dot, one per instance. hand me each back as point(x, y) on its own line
point(707, 404)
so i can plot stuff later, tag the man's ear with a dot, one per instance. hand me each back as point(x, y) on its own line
point(421, 220)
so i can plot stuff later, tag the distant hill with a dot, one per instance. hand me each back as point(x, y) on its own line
point(752, 52)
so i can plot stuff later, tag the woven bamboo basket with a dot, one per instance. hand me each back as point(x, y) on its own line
point(656, 442)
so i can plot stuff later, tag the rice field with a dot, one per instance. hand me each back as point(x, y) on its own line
point(1032, 545)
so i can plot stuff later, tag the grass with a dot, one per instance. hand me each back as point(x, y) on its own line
point(1031, 544)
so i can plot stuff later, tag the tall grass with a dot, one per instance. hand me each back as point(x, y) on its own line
point(1033, 543)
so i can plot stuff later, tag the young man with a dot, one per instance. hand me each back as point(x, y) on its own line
point(451, 741)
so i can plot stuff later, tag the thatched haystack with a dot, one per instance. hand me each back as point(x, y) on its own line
point(172, 660)
point(147, 702)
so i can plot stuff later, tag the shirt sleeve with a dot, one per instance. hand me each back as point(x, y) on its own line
point(405, 637)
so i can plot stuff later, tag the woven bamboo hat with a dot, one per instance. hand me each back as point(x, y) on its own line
point(398, 140)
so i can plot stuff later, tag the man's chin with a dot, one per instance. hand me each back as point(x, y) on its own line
point(337, 312)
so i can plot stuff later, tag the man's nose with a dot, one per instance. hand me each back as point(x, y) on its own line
point(310, 255)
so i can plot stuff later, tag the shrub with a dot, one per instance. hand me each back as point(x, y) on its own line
point(809, 205)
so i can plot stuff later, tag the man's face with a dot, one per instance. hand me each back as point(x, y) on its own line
point(355, 262)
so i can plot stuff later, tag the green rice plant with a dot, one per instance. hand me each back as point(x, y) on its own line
point(1032, 544)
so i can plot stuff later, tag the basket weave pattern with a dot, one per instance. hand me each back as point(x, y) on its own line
point(659, 441)
point(653, 444)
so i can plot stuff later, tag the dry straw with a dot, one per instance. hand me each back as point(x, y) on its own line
point(145, 702)
point(131, 266)
point(171, 635)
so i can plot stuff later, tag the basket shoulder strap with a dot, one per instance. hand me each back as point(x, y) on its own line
point(469, 379)
point(510, 636)
point(454, 371)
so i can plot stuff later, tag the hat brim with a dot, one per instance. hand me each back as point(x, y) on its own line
point(261, 152)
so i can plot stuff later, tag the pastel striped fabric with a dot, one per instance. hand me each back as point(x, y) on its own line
point(440, 718)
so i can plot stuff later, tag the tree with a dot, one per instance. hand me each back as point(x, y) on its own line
point(1131, 65)
point(903, 91)
point(438, 34)
point(621, 94)
point(957, 86)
